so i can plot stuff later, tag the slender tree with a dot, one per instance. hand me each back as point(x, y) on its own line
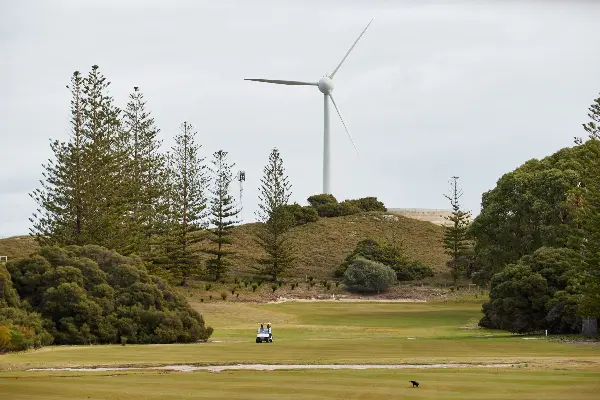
point(456, 242)
point(145, 173)
point(103, 160)
point(223, 210)
point(186, 186)
point(60, 217)
point(274, 194)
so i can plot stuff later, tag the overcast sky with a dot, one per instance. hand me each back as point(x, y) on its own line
point(433, 88)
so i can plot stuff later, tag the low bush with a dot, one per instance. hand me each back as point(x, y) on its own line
point(405, 268)
point(368, 276)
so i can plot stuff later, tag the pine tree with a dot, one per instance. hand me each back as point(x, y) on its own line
point(145, 174)
point(222, 215)
point(456, 241)
point(103, 161)
point(275, 192)
point(60, 218)
point(185, 219)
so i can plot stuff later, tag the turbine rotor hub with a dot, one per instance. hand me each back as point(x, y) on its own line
point(325, 85)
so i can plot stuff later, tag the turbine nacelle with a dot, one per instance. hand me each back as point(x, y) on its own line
point(325, 85)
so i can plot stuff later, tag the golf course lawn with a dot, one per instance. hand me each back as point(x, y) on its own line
point(321, 333)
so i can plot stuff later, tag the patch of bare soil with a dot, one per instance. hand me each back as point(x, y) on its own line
point(273, 367)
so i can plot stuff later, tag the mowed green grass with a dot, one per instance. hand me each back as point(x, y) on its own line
point(522, 384)
point(320, 333)
point(328, 333)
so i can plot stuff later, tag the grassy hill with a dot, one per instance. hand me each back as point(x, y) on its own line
point(17, 246)
point(320, 246)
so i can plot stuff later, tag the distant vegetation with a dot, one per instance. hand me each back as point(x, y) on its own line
point(388, 255)
point(87, 295)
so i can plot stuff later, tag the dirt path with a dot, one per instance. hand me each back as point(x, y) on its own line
point(345, 299)
point(273, 367)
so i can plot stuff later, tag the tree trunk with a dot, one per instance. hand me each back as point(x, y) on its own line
point(589, 327)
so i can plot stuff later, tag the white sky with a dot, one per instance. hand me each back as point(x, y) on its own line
point(433, 89)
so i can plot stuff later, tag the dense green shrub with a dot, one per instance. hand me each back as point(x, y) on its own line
point(348, 207)
point(412, 270)
point(321, 199)
point(92, 295)
point(541, 291)
point(302, 214)
point(327, 205)
point(368, 276)
point(367, 204)
point(19, 328)
point(406, 269)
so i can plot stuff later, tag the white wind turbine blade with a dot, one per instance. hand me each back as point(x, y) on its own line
point(281, 82)
point(343, 59)
point(343, 123)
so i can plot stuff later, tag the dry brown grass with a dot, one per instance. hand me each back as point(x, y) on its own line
point(320, 246)
point(323, 245)
point(17, 247)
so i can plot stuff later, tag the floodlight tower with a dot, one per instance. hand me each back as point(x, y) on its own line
point(241, 177)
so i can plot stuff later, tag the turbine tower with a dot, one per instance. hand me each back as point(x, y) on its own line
point(325, 85)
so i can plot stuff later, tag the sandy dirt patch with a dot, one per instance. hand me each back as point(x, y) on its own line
point(345, 299)
point(274, 367)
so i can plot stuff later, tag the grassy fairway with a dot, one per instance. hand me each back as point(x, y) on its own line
point(321, 333)
point(328, 333)
point(306, 385)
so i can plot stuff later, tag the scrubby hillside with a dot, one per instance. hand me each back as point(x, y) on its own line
point(320, 246)
point(18, 247)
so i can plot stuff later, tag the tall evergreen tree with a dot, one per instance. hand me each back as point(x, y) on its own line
point(587, 211)
point(60, 218)
point(145, 173)
point(456, 242)
point(274, 194)
point(186, 186)
point(104, 160)
point(223, 211)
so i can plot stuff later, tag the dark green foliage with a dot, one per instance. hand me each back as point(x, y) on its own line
point(92, 295)
point(529, 208)
point(367, 204)
point(223, 211)
point(368, 276)
point(541, 291)
point(183, 224)
point(328, 206)
point(585, 201)
point(412, 270)
point(456, 242)
point(145, 172)
point(349, 207)
point(20, 329)
point(277, 219)
point(302, 215)
point(62, 206)
point(388, 255)
point(317, 200)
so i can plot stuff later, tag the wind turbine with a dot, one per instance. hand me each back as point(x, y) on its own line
point(325, 85)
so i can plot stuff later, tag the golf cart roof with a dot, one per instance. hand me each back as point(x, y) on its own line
point(264, 323)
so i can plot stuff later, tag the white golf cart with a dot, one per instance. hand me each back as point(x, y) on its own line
point(264, 334)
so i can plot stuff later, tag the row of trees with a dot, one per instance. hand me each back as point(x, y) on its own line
point(110, 184)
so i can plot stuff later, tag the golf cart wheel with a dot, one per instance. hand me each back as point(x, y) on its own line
point(258, 340)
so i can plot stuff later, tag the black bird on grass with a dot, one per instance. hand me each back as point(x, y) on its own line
point(415, 383)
